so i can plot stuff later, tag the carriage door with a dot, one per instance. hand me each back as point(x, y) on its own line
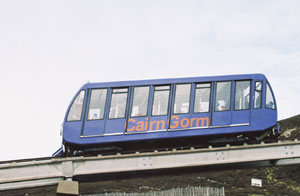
point(221, 114)
point(241, 114)
point(181, 110)
point(138, 119)
point(160, 109)
point(116, 122)
point(94, 123)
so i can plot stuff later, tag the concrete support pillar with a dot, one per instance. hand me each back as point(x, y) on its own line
point(67, 188)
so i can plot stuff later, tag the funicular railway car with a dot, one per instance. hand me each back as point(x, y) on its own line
point(182, 111)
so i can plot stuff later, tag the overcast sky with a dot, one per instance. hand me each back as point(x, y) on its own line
point(49, 49)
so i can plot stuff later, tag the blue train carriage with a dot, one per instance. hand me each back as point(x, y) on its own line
point(181, 111)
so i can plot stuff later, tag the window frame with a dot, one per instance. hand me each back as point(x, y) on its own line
point(126, 103)
point(89, 102)
point(173, 104)
point(215, 97)
point(168, 107)
point(235, 86)
point(82, 109)
point(148, 101)
point(210, 92)
point(261, 91)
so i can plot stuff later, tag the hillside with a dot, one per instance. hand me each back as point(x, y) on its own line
point(290, 128)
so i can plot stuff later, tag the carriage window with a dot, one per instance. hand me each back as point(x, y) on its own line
point(140, 101)
point(202, 97)
point(182, 98)
point(161, 100)
point(118, 103)
point(242, 95)
point(97, 104)
point(76, 108)
point(270, 103)
point(258, 86)
point(258, 95)
point(223, 96)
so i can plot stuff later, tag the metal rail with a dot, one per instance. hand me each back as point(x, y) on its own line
point(50, 171)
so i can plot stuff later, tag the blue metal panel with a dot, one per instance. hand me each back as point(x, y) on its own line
point(137, 125)
point(181, 122)
point(241, 117)
point(114, 126)
point(158, 123)
point(93, 127)
point(72, 132)
point(222, 118)
point(201, 120)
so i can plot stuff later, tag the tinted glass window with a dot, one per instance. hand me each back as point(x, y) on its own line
point(140, 101)
point(202, 98)
point(258, 95)
point(118, 103)
point(242, 95)
point(161, 100)
point(76, 108)
point(97, 104)
point(120, 90)
point(223, 96)
point(270, 103)
point(182, 98)
point(258, 86)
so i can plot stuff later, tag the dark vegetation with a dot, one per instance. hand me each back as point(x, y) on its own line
point(290, 128)
point(277, 181)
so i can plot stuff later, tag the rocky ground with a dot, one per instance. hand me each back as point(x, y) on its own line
point(281, 181)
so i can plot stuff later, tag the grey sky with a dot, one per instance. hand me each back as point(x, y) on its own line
point(48, 49)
